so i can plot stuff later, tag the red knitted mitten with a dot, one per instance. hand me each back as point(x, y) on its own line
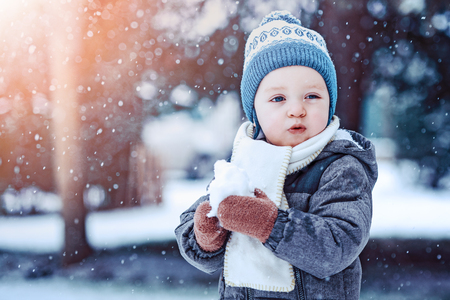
point(252, 216)
point(209, 235)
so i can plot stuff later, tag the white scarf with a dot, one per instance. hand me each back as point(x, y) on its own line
point(247, 262)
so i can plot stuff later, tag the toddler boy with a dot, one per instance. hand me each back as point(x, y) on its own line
point(300, 230)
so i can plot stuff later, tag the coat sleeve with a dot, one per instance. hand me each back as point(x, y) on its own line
point(333, 231)
point(208, 262)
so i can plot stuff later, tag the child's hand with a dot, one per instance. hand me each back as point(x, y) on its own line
point(209, 235)
point(252, 216)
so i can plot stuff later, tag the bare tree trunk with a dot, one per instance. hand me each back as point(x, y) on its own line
point(144, 182)
point(347, 40)
point(65, 47)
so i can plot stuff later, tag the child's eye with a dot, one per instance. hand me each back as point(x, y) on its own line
point(278, 99)
point(312, 96)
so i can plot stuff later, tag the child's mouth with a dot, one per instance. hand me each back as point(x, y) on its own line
point(297, 129)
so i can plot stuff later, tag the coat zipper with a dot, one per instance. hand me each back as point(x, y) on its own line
point(299, 284)
point(249, 294)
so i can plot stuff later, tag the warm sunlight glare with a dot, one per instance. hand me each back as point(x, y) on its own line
point(10, 10)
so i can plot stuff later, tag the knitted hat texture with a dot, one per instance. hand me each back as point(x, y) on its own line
point(281, 41)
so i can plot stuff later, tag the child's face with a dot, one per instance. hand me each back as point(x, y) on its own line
point(292, 105)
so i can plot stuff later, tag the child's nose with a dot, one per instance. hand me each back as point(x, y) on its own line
point(296, 110)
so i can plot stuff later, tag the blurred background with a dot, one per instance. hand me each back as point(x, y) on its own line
point(112, 114)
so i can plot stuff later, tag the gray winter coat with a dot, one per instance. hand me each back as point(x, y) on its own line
point(321, 234)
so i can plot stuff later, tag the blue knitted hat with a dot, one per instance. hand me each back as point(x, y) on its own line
point(281, 41)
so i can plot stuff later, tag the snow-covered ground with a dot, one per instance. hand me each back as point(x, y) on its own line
point(111, 229)
point(58, 289)
point(401, 209)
